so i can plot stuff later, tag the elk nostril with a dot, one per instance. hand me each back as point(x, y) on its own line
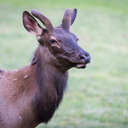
point(83, 57)
point(87, 54)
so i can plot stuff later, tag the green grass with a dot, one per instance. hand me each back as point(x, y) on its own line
point(117, 5)
point(96, 97)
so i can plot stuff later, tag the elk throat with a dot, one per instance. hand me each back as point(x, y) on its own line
point(51, 85)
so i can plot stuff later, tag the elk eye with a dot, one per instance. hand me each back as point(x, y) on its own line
point(52, 41)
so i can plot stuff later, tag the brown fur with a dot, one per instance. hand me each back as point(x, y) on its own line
point(31, 95)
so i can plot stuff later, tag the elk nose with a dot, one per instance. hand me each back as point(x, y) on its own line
point(85, 57)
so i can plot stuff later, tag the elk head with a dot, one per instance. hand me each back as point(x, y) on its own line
point(60, 42)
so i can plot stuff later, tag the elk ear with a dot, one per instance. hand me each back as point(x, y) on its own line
point(68, 18)
point(31, 24)
point(74, 13)
point(43, 19)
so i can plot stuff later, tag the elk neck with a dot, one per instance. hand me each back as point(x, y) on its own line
point(51, 82)
point(46, 70)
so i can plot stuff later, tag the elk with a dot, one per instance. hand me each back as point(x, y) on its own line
point(30, 95)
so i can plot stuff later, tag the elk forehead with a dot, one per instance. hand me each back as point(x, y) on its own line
point(65, 36)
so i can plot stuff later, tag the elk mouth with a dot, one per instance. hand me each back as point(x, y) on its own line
point(73, 63)
point(80, 66)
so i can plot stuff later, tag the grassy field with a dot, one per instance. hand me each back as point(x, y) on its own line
point(96, 97)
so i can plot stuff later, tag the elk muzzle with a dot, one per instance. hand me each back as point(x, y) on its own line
point(85, 58)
